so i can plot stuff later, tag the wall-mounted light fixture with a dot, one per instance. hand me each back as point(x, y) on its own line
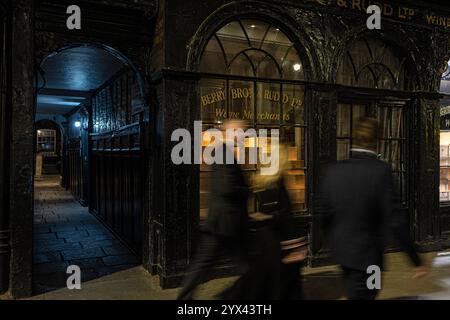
point(77, 124)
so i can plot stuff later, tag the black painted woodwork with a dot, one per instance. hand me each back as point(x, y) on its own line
point(143, 31)
point(5, 96)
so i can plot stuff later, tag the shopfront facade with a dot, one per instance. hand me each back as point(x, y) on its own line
point(309, 69)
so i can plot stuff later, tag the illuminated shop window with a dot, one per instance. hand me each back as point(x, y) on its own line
point(265, 98)
point(444, 176)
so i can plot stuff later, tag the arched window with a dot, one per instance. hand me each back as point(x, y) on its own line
point(372, 63)
point(249, 71)
point(252, 48)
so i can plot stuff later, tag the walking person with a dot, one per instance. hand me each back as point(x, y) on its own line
point(275, 267)
point(360, 208)
point(226, 226)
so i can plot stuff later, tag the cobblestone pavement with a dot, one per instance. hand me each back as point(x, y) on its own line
point(319, 283)
point(65, 233)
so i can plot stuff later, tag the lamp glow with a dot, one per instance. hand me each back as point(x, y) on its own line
point(77, 124)
point(297, 67)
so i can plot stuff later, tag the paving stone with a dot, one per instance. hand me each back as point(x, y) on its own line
point(87, 243)
point(93, 228)
point(57, 247)
point(72, 235)
point(99, 232)
point(51, 242)
point(82, 253)
point(45, 236)
point(66, 227)
point(116, 250)
point(50, 267)
point(47, 257)
point(120, 260)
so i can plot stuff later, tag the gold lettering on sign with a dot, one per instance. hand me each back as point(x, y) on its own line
point(221, 113)
point(388, 10)
point(245, 93)
point(212, 98)
point(342, 3)
point(438, 20)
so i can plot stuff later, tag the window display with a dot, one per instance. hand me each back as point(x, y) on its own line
point(265, 55)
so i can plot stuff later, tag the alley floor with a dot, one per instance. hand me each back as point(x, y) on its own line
point(319, 283)
point(65, 233)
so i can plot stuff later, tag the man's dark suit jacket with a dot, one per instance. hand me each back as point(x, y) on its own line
point(228, 215)
point(361, 209)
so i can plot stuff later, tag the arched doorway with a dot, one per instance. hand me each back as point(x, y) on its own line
point(49, 144)
point(94, 220)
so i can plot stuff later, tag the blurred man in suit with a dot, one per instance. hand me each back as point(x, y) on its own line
point(226, 226)
point(361, 207)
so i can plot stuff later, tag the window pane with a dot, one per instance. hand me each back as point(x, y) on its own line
point(256, 31)
point(294, 139)
point(277, 44)
point(213, 59)
point(390, 140)
point(268, 68)
point(241, 100)
point(242, 66)
point(205, 184)
point(268, 103)
point(343, 149)
point(233, 39)
point(343, 120)
point(293, 103)
point(390, 152)
point(372, 63)
point(292, 66)
point(205, 175)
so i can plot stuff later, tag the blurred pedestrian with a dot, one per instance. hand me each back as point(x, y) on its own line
point(226, 226)
point(361, 208)
point(275, 265)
